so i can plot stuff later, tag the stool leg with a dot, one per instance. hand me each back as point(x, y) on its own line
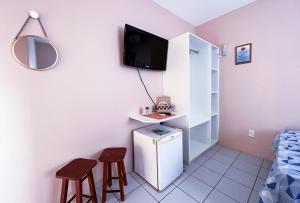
point(78, 191)
point(92, 187)
point(109, 182)
point(124, 172)
point(104, 182)
point(120, 180)
point(64, 191)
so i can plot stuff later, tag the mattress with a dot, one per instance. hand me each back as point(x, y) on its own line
point(283, 182)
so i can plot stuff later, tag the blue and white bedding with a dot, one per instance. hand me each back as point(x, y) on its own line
point(283, 182)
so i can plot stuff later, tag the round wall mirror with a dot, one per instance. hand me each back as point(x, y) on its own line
point(34, 52)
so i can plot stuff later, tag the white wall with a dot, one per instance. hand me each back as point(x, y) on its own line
point(262, 95)
point(81, 106)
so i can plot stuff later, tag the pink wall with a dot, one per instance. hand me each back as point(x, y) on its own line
point(263, 95)
point(82, 105)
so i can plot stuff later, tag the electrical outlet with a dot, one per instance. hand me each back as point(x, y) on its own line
point(251, 133)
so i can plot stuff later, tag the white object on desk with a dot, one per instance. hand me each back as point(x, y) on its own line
point(158, 158)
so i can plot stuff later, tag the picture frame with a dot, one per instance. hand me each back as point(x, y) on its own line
point(243, 54)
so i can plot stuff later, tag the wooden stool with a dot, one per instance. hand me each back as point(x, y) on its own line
point(109, 156)
point(77, 170)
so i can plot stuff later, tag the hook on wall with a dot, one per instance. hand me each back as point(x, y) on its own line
point(34, 15)
point(224, 50)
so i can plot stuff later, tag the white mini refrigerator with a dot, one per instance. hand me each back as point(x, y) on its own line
point(158, 154)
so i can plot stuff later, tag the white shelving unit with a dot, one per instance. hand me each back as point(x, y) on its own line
point(215, 97)
point(192, 81)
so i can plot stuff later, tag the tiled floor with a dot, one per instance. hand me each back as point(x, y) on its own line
point(221, 175)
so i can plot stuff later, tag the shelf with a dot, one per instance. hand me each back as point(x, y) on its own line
point(198, 95)
point(214, 141)
point(144, 119)
point(197, 148)
point(214, 81)
point(214, 129)
point(214, 104)
point(195, 123)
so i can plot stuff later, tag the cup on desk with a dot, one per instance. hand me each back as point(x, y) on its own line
point(146, 111)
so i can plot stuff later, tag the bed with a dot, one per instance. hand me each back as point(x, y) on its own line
point(283, 182)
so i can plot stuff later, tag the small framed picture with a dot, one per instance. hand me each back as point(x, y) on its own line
point(243, 54)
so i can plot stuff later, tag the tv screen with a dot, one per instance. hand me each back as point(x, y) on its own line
point(144, 50)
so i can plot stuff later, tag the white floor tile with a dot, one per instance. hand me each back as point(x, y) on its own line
point(196, 184)
point(217, 147)
point(110, 197)
point(267, 164)
point(251, 159)
point(263, 173)
point(191, 168)
point(195, 188)
point(254, 198)
point(229, 152)
point(247, 167)
point(258, 184)
point(214, 149)
point(137, 177)
point(234, 190)
point(131, 186)
point(225, 159)
point(241, 177)
point(218, 197)
point(207, 176)
point(139, 195)
point(178, 196)
point(209, 152)
point(181, 178)
point(216, 166)
point(158, 195)
point(201, 160)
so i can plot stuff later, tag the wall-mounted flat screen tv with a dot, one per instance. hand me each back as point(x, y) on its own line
point(144, 50)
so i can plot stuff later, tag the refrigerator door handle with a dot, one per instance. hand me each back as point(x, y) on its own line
point(168, 139)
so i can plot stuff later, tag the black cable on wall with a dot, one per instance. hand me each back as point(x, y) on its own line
point(145, 86)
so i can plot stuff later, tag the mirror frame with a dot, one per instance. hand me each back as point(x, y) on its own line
point(28, 67)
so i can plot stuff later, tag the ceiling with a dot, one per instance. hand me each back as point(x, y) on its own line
point(197, 12)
